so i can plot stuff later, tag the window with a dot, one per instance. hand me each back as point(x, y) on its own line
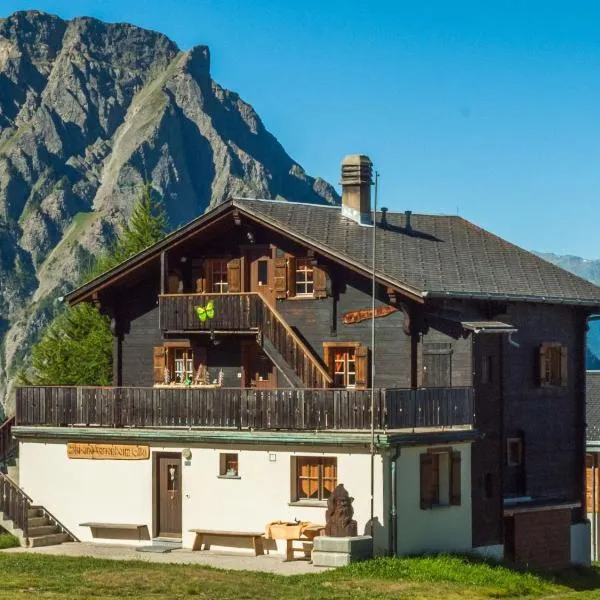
point(304, 277)
point(183, 364)
point(553, 364)
point(344, 367)
point(313, 477)
point(228, 465)
point(263, 271)
point(514, 452)
point(218, 277)
point(440, 478)
point(348, 364)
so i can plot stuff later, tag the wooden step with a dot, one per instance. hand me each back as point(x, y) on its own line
point(37, 522)
point(35, 511)
point(42, 530)
point(48, 540)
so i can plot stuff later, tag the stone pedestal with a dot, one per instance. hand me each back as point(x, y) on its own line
point(340, 551)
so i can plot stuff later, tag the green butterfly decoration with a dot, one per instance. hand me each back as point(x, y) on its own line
point(205, 312)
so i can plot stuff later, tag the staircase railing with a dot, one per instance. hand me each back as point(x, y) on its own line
point(295, 352)
point(7, 442)
point(15, 505)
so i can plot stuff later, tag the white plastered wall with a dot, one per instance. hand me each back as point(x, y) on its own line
point(120, 491)
point(440, 529)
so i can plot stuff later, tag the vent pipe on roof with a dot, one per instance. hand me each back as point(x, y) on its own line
point(356, 188)
point(384, 223)
point(407, 224)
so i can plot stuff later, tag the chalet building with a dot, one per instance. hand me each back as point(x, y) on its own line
point(256, 347)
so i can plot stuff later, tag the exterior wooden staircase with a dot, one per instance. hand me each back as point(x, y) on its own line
point(32, 525)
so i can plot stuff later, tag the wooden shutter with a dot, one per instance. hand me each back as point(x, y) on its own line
point(455, 478)
point(362, 367)
point(328, 357)
point(291, 276)
point(426, 481)
point(280, 278)
point(160, 363)
point(234, 277)
point(174, 283)
point(320, 282)
point(564, 370)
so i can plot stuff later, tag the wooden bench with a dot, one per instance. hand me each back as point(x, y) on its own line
point(126, 526)
point(255, 536)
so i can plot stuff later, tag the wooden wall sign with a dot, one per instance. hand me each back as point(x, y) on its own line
point(107, 451)
point(356, 316)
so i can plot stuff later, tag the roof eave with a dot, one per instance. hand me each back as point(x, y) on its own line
point(513, 298)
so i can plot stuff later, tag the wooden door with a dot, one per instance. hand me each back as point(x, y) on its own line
point(260, 273)
point(168, 495)
point(259, 371)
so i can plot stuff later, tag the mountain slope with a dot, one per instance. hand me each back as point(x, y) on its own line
point(88, 112)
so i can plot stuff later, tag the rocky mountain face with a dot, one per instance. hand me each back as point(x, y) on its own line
point(89, 111)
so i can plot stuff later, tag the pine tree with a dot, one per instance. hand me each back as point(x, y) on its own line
point(76, 348)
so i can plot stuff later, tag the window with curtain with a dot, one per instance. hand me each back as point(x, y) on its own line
point(315, 477)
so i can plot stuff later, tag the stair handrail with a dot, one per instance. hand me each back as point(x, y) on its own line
point(305, 349)
point(57, 523)
point(15, 504)
point(7, 443)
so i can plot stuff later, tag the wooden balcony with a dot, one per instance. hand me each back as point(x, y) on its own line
point(242, 409)
point(244, 312)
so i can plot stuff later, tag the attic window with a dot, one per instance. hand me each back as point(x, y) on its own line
point(304, 277)
point(553, 364)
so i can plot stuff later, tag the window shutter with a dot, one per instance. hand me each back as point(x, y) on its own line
point(280, 278)
point(208, 269)
point(320, 282)
point(564, 370)
point(234, 278)
point(362, 367)
point(426, 481)
point(455, 479)
point(544, 357)
point(291, 276)
point(159, 364)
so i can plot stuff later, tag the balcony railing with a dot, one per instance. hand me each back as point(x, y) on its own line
point(242, 408)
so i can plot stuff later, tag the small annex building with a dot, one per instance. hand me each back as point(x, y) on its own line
point(246, 383)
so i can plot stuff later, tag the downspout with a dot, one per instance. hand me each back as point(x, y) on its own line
point(393, 502)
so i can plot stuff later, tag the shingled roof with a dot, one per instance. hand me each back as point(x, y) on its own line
point(437, 256)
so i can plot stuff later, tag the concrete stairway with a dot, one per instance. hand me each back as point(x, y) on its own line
point(33, 525)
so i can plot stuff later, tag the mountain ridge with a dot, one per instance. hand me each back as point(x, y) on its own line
point(89, 112)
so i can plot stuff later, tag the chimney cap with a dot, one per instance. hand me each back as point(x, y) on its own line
point(356, 159)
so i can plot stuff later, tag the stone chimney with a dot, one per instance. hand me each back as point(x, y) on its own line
point(356, 188)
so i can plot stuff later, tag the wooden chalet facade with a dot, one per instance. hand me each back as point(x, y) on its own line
point(244, 340)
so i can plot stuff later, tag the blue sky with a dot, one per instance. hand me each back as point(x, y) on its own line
point(488, 109)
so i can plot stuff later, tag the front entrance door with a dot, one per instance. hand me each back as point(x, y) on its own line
point(168, 495)
point(260, 273)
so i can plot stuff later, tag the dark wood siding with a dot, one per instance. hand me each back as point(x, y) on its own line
point(551, 419)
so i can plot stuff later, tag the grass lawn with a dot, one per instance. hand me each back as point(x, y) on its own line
point(452, 578)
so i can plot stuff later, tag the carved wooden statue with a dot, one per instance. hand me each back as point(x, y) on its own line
point(338, 517)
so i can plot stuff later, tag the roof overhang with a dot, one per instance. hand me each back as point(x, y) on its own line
point(488, 327)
